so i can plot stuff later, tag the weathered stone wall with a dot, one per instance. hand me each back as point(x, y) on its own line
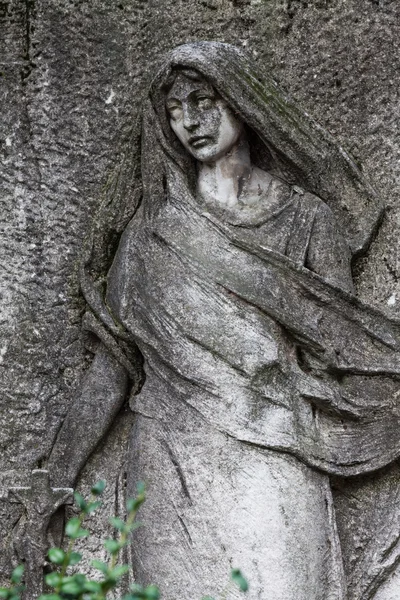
point(72, 76)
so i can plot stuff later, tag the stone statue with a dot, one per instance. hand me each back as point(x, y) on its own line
point(229, 318)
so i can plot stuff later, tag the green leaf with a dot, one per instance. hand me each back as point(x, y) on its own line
point(118, 523)
point(73, 585)
point(53, 579)
point(132, 526)
point(79, 578)
point(237, 577)
point(17, 592)
point(133, 504)
point(137, 591)
point(130, 505)
point(152, 592)
point(119, 571)
point(93, 586)
point(73, 588)
point(98, 488)
point(92, 506)
point(56, 555)
point(140, 488)
point(74, 558)
point(17, 574)
point(72, 526)
point(4, 592)
point(81, 502)
point(207, 598)
point(49, 597)
point(73, 529)
point(100, 566)
point(113, 546)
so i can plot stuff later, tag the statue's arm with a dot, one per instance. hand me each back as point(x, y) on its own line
point(328, 252)
point(99, 399)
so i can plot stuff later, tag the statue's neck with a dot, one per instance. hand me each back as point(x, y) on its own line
point(223, 180)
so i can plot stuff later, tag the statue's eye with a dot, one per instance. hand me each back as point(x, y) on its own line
point(175, 111)
point(205, 102)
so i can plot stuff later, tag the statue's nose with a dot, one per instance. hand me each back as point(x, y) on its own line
point(190, 119)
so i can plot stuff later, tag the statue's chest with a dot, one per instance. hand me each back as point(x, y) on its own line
point(183, 294)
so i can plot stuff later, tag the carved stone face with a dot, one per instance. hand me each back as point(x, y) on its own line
point(202, 121)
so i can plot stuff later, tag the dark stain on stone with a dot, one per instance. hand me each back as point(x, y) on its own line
point(4, 10)
point(30, 13)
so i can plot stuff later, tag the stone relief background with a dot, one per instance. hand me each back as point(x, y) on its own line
point(72, 74)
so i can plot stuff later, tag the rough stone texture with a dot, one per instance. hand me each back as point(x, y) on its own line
point(72, 74)
point(40, 502)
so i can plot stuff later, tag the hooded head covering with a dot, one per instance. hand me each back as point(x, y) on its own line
point(283, 139)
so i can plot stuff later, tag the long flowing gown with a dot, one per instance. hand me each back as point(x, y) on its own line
point(217, 367)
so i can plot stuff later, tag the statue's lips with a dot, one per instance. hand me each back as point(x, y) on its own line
point(199, 141)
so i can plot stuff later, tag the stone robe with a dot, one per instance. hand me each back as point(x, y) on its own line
point(241, 419)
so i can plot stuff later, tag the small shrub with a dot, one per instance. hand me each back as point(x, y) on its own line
point(78, 586)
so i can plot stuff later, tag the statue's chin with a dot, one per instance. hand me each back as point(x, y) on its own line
point(206, 152)
point(210, 153)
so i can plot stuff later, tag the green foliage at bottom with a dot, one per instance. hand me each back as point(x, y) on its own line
point(77, 586)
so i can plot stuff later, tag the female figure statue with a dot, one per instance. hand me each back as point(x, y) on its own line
point(263, 375)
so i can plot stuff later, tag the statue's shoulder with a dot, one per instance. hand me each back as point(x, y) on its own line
point(314, 226)
point(309, 206)
point(306, 205)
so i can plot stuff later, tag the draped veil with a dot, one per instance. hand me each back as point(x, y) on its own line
point(286, 141)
